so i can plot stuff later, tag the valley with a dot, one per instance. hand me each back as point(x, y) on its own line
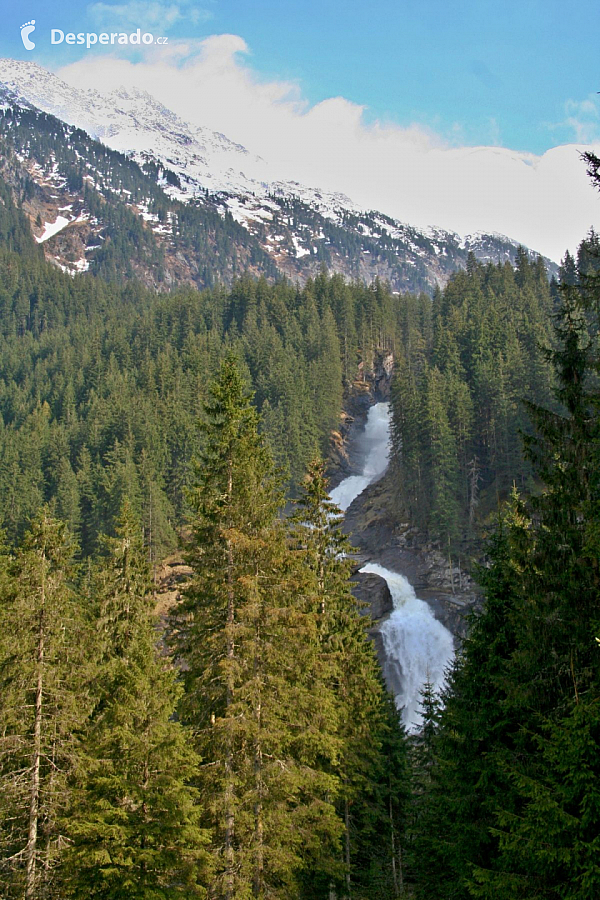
point(412, 646)
point(213, 684)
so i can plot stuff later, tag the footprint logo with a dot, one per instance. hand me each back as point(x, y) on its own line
point(26, 30)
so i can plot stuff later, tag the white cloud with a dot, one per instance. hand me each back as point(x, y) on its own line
point(409, 172)
point(583, 118)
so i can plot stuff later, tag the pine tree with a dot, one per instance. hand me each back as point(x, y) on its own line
point(554, 675)
point(43, 645)
point(407, 442)
point(458, 781)
point(442, 458)
point(551, 837)
point(249, 639)
point(513, 790)
point(368, 729)
point(133, 821)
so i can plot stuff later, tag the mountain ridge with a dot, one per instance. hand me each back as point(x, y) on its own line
point(298, 228)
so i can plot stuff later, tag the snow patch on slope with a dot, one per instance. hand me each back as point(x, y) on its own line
point(134, 123)
point(52, 228)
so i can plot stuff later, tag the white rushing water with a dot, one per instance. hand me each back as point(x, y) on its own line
point(417, 647)
point(375, 443)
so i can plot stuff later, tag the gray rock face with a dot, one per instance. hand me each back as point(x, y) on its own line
point(376, 534)
point(372, 590)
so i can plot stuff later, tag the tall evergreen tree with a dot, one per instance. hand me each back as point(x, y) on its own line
point(554, 672)
point(513, 788)
point(43, 645)
point(457, 780)
point(248, 636)
point(133, 820)
point(371, 739)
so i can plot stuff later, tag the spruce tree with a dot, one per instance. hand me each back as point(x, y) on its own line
point(371, 739)
point(553, 679)
point(441, 457)
point(248, 636)
point(44, 641)
point(133, 820)
point(513, 790)
point(458, 781)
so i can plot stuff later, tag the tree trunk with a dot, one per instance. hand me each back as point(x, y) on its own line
point(145, 785)
point(401, 870)
point(258, 784)
point(49, 791)
point(34, 805)
point(229, 813)
point(347, 846)
point(393, 840)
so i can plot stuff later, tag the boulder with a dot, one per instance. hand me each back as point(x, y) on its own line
point(372, 590)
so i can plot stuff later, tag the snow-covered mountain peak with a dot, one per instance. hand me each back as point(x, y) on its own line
point(132, 121)
point(299, 227)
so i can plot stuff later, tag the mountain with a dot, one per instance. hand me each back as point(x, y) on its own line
point(288, 228)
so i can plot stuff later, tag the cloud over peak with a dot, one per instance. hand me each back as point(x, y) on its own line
point(409, 172)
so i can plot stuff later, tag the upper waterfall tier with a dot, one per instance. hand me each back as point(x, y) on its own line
point(375, 445)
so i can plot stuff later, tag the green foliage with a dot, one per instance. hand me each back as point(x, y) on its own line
point(248, 635)
point(513, 784)
point(133, 818)
point(552, 840)
point(465, 368)
point(44, 639)
point(371, 761)
point(100, 387)
point(456, 786)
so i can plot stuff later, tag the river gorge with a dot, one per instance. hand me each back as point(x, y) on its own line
point(415, 647)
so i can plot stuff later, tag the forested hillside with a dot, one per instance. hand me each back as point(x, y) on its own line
point(119, 778)
point(102, 385)
point(465, 366)
point(506, 769)
point(123, 223)
point(245, 745)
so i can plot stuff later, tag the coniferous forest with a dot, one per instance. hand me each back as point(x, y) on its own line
point(245, 745)
point(505, 770)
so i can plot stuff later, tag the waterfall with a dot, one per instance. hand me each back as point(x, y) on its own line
point(417, 647)
point(374, 442)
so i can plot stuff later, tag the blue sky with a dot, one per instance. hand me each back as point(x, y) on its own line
point(384, 101)
point(520, 74)
point(478, 72)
